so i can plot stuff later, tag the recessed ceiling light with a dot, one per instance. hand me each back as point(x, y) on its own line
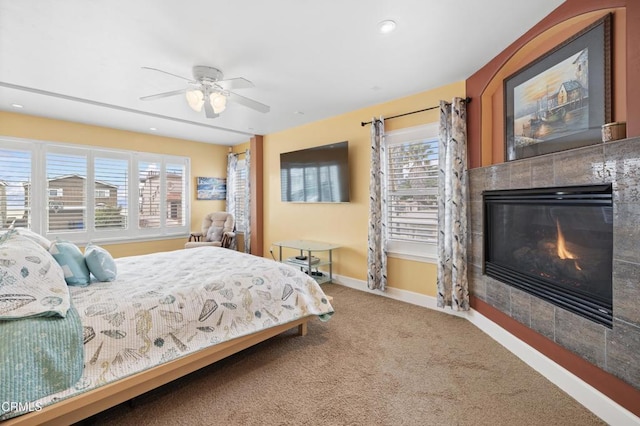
point(298, 112)
point(153, 129)
point(386, 26)
point(17, 106)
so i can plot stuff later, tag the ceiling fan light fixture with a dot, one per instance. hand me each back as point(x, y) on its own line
point(218, 102)
point(209, 91)
point(387, 26)
point(195, 99)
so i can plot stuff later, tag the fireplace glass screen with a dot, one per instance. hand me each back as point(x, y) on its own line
point(555, 243)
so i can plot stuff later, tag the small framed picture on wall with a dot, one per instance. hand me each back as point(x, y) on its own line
point(211, 188)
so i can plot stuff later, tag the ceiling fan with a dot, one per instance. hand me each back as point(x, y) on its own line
point(208, 89)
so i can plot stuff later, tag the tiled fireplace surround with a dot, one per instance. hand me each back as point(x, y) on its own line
point(615, 350)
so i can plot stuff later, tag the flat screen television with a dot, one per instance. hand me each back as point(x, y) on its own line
point(316, 175)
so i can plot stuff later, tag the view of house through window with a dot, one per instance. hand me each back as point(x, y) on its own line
point(411, 189)
point(83, 193)
point(111, 184)
point(149, 181)
point(175, 178)
point(67, 189)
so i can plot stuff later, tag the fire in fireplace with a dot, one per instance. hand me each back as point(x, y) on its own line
point(554, 243)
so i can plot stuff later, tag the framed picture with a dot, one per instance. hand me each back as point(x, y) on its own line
point(561, 100)
point(210, 188)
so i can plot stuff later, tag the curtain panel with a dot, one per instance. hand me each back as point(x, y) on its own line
point(232, 166)
point(247, 202)
point(452, 283)
point(377, 253)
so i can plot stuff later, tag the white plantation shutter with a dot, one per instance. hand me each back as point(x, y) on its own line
point(241, 196)
point(111, 193)
point(175, 198)
point(412, 190)
point(15, 187)
point(66, 191)
point(150, 194)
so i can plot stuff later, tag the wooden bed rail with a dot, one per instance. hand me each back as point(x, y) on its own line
point(85, 405)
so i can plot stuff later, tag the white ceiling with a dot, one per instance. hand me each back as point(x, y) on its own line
point(81, 60)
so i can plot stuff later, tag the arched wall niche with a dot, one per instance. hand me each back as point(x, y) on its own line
point(486, 116)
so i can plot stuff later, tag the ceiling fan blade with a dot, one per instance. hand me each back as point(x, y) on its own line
point(249, 103)
point(208, 110)
point(166, 72)
point(163, 95)
point(234, 83)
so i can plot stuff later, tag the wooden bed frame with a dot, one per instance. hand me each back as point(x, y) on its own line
point(86, 404)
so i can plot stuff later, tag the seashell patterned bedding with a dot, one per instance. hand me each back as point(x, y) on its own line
point(167, 305)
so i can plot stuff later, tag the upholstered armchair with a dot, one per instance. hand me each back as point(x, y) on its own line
point(217, 230)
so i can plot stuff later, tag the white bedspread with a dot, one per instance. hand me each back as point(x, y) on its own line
point(167, 305)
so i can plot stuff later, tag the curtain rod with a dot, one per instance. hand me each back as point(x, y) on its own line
point(467, 100)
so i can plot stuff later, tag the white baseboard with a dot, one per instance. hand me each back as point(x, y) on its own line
point(598, 403)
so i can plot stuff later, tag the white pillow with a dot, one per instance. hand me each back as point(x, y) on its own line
point(31, 281)
point(214, 233)
point(34, 237)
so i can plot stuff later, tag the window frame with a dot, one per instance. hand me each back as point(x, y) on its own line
point(39, 196)
point(416, 251)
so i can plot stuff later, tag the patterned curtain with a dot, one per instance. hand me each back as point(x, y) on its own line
point(247, 202)
point(377, 255)
point(232, 165)
point(453, 288)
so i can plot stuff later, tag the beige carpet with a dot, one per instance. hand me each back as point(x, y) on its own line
point(376, 362)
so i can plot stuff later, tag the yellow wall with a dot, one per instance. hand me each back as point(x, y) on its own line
point(206, 160)
point(344, 224)
point(347, 223)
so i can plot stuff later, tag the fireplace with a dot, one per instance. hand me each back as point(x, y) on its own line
point(554, 243)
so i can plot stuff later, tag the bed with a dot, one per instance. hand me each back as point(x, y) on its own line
point(163, 315)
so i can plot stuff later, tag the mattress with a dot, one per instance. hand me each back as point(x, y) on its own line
point(167, 305)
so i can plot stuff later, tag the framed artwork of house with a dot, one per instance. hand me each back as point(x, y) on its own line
point(211, 188)
point(561, 100)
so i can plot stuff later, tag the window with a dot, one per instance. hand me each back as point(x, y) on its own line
point(66, 178)
point(149, 207)
point(15, 179)
point(83, 193)
point(175, 213)
point(241, 196)
point(411, 189)
point(111, 188)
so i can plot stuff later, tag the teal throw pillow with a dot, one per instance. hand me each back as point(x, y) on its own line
point(100, 263)
point(71, 259)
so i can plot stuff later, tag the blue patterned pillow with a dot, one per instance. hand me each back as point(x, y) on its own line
point(69, 256)
point(31, 282)
point(100, 263)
